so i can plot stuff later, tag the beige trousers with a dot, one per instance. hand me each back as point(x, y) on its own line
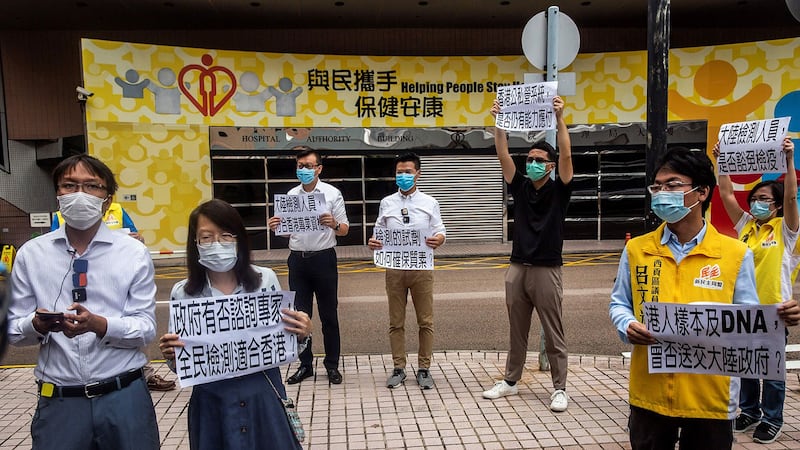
point(420, 284)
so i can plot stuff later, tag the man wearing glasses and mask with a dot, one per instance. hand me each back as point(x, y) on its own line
point(420, 211)
point(312, 265)
point(85, 294)
point(694, 409)
point(533, 280)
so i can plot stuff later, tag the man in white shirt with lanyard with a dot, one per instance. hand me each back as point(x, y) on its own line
point(312, 265)
point(412, 209)
point(86, 295)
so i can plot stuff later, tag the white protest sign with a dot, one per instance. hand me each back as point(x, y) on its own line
point(300, 213)
point(403, 249)
point(753, 147)
point(230, 336)
point(527, 107)
point(717, 339)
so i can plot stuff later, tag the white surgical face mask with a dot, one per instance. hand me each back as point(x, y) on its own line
point(80, 210)
point(219, 256)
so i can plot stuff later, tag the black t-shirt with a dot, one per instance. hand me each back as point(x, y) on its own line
point(539, 220)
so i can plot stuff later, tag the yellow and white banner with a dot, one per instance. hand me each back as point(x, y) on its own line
point(153, 105)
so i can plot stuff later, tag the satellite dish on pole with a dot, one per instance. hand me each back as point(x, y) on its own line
point(534, 40)
point(794, 8)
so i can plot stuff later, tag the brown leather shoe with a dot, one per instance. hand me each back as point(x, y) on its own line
point(157, 383)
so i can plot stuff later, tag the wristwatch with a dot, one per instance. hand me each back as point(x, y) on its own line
point(303, 344)
point(336, 228)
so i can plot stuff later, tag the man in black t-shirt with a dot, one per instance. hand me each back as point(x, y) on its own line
point(533, 280)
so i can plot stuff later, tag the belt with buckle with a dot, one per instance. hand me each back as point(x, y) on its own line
point(309, 254)
point(91, 390)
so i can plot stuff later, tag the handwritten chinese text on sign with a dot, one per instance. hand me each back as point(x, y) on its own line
point(746, 341)
point(403, 249)
point(527, 107)
point(300, 213)
point(231, 336)
point(754, 147)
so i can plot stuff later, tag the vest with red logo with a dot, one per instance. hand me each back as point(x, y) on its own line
point(776, 268)
point(707, 274)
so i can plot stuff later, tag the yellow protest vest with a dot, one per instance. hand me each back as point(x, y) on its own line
point(112, 217)
point(707, 274)
point(7, 256)
point(767, 245)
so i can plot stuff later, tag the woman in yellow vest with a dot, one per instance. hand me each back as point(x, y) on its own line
point(769, 228)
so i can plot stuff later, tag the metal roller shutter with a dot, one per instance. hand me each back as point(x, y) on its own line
point(470, 194)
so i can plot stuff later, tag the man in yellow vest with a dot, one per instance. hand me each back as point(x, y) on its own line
point(696, 410)
point(115, 218)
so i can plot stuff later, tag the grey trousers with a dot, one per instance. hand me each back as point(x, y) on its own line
point(539, 288)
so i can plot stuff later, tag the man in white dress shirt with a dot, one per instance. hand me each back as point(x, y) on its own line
point(85, 294)
point(312, 265)
point(412, 209)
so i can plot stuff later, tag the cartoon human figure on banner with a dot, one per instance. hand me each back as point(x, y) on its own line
point(167, 98)
point(131, 86)
point(250, 100)
point(285, 97)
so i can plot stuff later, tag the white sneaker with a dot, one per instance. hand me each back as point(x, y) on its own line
point(500, 389)
point(558, 401)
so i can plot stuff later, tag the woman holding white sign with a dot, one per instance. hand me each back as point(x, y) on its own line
point(770, 229)
point(245, 412)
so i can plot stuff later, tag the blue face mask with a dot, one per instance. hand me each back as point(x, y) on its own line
point(405, 181)
point(668, 205)
point(760, 210)
point(306, 176)
point(535, 170)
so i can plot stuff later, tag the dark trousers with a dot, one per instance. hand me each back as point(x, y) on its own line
point(121, 420)
point(313, 274)
point(766, 403)
point(652, 431)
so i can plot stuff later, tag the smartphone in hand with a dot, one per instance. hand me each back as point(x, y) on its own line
point(51, 319)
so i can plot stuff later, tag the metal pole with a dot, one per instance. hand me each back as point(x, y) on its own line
point(552, 59)
point(658, 28)
point(550, 135)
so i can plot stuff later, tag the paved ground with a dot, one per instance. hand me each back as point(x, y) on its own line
point(362, 413)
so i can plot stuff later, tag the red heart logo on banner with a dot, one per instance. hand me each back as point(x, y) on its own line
point(207, 100)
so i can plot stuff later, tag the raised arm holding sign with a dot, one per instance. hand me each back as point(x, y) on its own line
point(769, 227)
